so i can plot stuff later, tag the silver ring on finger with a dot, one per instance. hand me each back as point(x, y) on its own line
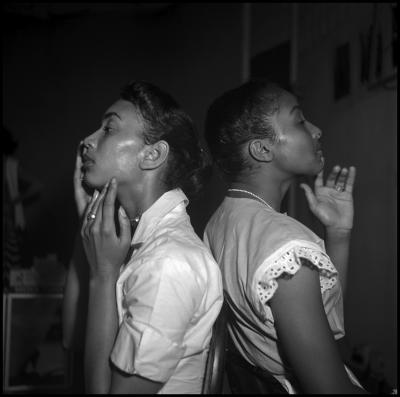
point(91, 216)
point(339, 188)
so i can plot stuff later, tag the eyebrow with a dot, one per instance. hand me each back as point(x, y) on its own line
point(110, 114)
point(297, 107)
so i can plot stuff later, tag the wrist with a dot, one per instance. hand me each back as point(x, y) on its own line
point(338, 233)
point(104, 276)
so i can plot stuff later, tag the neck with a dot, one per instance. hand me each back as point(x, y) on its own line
point(270, 189)
point(137, 199)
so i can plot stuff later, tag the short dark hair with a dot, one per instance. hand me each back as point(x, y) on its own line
point(236, 117)
point(188, 164)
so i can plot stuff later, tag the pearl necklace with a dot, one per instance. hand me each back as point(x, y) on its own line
point(251, 194)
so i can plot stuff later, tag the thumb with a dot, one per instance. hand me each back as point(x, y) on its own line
point(309, 195)
point(125, 226)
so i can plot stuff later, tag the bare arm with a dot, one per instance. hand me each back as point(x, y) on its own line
point(127, 384)
point(102, 328)
point(306, 338)
point(105, 255)
point(338, 248)
point(75, 299)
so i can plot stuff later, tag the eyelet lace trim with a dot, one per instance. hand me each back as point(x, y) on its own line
point(290, 263)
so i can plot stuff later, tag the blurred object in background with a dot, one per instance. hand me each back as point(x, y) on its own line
point(46, 275)
point(369, 367)
point(34, 358)
point(18, 190)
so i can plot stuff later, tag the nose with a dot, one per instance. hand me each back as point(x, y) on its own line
point(89, 143)
point(316, 133)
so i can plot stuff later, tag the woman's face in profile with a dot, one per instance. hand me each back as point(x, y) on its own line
point(298, 150)
point(115, 148)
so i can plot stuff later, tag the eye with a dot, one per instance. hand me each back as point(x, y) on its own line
point(107, 129)
point(300, 117)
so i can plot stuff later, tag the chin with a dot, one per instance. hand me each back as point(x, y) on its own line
point(312, 170)
point(317, 170)
point(318, 166)
point(321, 165)
point(92, 182)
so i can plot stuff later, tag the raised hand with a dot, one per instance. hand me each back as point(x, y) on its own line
point(82, 198)
point(105, 250)
point(332, 203)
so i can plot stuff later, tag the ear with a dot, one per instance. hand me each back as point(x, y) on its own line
point(154, 155)
point(261, 149)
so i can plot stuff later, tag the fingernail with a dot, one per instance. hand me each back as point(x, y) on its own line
point(94, 197)
point(123, 213)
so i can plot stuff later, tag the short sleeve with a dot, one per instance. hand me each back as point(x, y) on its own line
point(159, 304)
point(285, 262)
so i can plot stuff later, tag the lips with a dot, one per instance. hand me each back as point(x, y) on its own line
point(87, 164)
point(87, 161)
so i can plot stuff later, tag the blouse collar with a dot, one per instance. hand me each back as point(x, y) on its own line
point(156, 212)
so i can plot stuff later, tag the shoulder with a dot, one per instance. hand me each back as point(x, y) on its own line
point(182, 256)
point(267, 231)
point(248, 214)
point(257, 230)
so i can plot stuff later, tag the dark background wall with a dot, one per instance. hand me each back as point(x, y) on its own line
point(360, 129)
point(63, 70)
point(64, 65)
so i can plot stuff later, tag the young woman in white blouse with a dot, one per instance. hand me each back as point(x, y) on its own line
point(284, 291)
point(151, 287)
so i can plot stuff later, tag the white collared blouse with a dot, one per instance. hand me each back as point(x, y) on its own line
point(169, 295)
